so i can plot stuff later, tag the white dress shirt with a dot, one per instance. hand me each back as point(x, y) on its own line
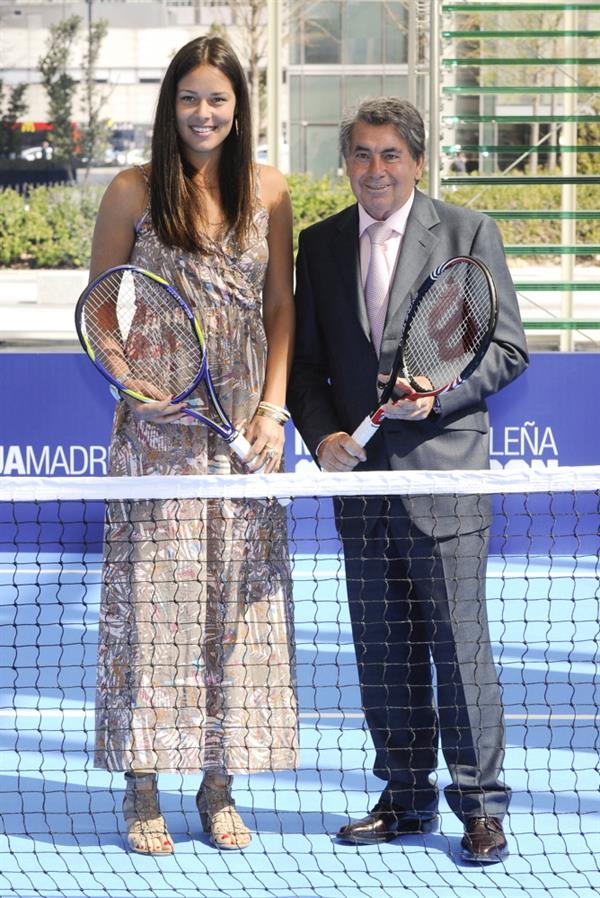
point(397, 221)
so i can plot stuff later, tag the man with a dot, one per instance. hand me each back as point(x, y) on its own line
point(459, 164)
point(415, 568)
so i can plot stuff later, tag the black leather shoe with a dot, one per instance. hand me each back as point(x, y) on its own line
point(384, 824)
point(484, 841)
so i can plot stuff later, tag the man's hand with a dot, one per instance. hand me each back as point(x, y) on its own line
point(409, 409)
point(339, 452)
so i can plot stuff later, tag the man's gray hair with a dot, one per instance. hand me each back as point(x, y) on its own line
point(394, 111)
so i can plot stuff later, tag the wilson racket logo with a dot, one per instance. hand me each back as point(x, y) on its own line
point(451, 324)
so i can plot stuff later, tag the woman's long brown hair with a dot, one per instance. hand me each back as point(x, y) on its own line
point(175, 205)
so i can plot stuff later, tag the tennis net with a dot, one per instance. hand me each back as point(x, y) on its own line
point(205, 581)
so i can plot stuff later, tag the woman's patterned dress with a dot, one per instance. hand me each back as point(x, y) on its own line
point(195, 661)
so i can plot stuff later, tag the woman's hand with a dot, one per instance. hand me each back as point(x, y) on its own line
point(266, 438)
point(156, 412)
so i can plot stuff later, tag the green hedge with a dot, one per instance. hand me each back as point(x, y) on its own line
point(314, 199)
point(544, 197)
point(51, 227)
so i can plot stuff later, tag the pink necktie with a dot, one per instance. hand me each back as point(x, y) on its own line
point(377, 282)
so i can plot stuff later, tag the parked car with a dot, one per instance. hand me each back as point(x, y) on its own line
point(42, 152)
point(131, 156)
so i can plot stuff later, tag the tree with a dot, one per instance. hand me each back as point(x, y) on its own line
point(588, 134)
point(95, 134)
point(538, 73)
point(61, 88)
point(10, 135)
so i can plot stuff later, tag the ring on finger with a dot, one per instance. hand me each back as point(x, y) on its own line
point(270, 451)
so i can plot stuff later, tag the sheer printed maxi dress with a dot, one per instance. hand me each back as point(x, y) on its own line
point(196, 666)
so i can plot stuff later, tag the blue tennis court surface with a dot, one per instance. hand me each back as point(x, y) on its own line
point(62, 833)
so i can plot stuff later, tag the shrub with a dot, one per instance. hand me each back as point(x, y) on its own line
point(544, 197)
point(316, 198)
point(12, 226)
point(60, 224)
point(51, 227)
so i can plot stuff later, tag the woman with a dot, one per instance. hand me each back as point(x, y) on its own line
point(196, 666)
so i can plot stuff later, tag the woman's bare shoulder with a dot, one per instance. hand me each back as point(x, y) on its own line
point(129, 190)
point(273, 185)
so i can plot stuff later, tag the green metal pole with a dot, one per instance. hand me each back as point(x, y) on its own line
point(434, 99)
point(569, 169)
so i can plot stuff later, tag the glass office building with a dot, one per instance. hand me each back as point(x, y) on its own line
point(333, 54)
point(342, 51)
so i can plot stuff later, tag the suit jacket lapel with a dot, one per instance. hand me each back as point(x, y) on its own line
point(418, 245)
point(345, 251)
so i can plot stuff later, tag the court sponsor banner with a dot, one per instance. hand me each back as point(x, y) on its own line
point(57, 414)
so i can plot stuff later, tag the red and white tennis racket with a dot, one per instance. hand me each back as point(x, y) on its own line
point(446, 333)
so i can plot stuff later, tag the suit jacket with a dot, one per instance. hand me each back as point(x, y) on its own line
point(334, 374)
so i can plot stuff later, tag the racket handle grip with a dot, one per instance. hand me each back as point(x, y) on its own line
point(367, 428)
point(240, 446)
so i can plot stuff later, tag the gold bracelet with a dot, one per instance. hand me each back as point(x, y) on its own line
point(267, 413)
point(277, 409)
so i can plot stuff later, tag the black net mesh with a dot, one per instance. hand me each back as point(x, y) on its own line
point(204, 626)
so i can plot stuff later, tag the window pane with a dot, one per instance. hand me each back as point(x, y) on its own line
point(296, 148)
point(295, 98)
point(321, 148)
point(395, 85)
point(395, 25)
point(296, 38)
point(361, 87)
point(322, 100)
point(323, 33)
point(362, 32)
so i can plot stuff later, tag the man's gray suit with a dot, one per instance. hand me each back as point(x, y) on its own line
point(415, 567)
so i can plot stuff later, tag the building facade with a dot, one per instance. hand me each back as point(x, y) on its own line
point(343, 51)
point(334, 53)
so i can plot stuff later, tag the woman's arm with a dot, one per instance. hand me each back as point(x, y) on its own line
point(121, 208)
point(264, 433)
point(278, 299)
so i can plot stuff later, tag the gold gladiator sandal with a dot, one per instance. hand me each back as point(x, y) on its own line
point(147, 831)
point(218, 814)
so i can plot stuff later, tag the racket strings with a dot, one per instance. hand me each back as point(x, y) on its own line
point(450, 325)
point(141, 335)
